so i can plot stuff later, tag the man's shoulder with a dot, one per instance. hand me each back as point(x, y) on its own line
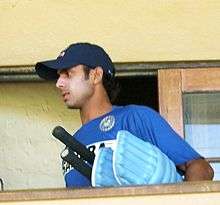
point(135, 111)
point(134, 108)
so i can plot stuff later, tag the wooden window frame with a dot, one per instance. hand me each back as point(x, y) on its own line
point(172, 83)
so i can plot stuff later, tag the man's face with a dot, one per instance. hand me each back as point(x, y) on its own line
point(75, 88)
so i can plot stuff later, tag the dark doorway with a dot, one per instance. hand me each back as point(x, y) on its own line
point(140, 90)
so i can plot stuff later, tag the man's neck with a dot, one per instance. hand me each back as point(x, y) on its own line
point(94, 112)
point(98, 105)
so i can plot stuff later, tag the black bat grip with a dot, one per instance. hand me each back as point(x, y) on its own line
point(69, 156)
point(62, 135)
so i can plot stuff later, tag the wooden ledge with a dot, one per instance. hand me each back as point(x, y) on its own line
point(82, 193)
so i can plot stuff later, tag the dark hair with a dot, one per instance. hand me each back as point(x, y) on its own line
point(110, 84)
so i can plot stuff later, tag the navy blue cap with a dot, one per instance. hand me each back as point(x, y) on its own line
point(87, 54)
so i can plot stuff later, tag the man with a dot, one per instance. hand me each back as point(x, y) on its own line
point(85, 77)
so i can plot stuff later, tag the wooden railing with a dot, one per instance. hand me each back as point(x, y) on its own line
point(198, 193)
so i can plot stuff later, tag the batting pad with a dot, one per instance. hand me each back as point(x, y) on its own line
point(102, 172)
point(136, 162)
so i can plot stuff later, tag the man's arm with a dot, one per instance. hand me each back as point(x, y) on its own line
point(197, 170)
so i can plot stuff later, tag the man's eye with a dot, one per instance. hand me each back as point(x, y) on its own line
point(67, 74)
point(63, 73)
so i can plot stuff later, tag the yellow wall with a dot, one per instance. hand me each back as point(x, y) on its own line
point(141, 30)
point(29, 154)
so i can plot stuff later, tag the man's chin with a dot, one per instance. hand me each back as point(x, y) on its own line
point(71, 106)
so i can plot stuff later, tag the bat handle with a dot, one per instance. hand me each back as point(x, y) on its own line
point(69, 156)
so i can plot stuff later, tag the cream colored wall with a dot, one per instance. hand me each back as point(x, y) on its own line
point(29, 154)
point(141, 30)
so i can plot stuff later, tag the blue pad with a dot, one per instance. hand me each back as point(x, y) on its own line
point(136, 162)
point(102, 172)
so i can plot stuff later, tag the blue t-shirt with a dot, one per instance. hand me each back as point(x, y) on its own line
point(141, 121)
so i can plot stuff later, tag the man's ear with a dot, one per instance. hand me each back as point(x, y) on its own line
point(97, 74)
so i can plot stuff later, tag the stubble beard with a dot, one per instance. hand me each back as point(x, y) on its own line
point(71, 106)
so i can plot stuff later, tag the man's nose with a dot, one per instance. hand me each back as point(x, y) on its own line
point(60, 82)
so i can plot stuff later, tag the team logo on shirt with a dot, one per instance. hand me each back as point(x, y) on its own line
point(107, 123)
